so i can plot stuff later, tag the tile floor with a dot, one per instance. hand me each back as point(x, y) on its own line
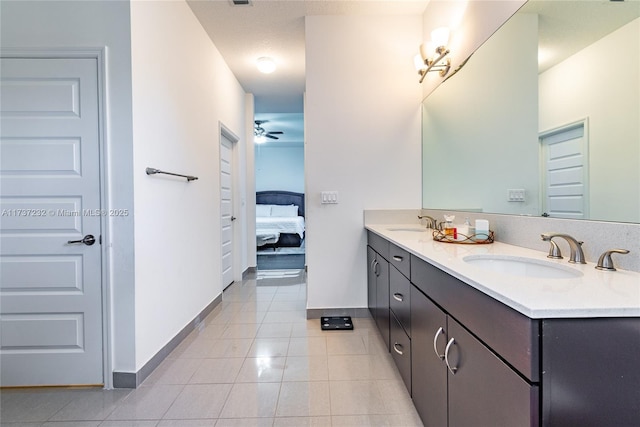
point(255, 361)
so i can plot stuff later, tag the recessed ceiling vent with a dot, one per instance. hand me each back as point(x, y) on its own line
point(241, 2)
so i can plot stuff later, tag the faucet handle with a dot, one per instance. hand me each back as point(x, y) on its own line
point(606, 263)
point(554, 251)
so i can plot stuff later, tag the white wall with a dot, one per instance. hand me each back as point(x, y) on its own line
point(279, 167)
point(362, 131)
point(614, 150)
point(182, 91)
point(96, 24)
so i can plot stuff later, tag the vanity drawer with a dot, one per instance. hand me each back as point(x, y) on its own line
point(400, 347)
point(400, 298)
point(400, 259)
point(512, 335)
point(379, 244)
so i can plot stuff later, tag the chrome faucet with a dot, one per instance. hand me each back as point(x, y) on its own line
point(431, 222)
point(577, 256)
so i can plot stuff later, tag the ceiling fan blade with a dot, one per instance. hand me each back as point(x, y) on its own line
point(278, 132)
point(259, 122)
point(270, 136)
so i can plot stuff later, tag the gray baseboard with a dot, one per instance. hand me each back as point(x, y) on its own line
point(316, 313)
point(134, 379)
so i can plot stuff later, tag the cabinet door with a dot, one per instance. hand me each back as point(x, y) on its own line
point(371, 281)
point(484, 391)
point(428, 371)
point(382, 298)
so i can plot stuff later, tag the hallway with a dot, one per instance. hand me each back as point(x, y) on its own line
point(255, 361)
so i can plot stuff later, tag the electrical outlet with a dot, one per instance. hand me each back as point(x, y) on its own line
point(329, 197)
point(516, 195)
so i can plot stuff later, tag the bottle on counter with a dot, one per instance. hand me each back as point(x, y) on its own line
point(449, 229)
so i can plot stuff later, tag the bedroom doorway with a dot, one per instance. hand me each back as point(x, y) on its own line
point(280, 198)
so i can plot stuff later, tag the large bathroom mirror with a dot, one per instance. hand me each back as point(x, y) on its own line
point(543, 119)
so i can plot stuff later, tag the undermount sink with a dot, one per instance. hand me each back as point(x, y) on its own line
point(522, 267)
point(413, 229)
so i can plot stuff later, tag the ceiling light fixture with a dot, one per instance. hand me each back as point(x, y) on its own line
point(426, 61)
point(266, 65)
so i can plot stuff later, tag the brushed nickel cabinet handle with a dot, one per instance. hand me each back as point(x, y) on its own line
point(400, 351)
point(397, 258)
point(452, 369)
point(435, 342)
point(398, 297)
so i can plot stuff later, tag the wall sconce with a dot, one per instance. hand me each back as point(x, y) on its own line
point(432, 54)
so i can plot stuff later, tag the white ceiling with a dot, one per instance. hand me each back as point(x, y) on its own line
point(275, 28)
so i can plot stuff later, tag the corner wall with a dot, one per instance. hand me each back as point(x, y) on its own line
point(362, 139)
point(182, 92)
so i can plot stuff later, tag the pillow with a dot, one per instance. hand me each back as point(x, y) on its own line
point(263, 210)
point(288, 211)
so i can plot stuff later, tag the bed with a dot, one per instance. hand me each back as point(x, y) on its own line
point(279, 219)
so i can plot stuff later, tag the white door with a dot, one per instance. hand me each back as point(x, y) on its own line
point(565, 163)
point(50, 289)
point(226, 208)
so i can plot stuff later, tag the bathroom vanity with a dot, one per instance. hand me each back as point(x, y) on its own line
point(480, 344)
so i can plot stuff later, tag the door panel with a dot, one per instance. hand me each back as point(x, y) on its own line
point(226, 209)
point(565, 173)
point(51, 291)
point(484, 391)
point(428, 371)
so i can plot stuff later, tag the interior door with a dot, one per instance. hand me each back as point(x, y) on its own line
point(565, 173)
point(50, 288)
point(226, 208)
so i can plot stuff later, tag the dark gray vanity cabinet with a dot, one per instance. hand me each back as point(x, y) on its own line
point(511, 370)
point(378, 283)
point(472, 387)
point(457, 379)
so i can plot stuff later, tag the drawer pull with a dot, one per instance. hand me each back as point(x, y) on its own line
point(453, 369)
point(399, 351)
point(397, 258)
point(435, 342)
point(398, 297)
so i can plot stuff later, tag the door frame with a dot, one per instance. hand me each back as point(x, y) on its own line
point(100, 55)
point(224, 131)
point(584, 123)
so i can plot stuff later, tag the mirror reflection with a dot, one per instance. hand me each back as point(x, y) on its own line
point(544, 118)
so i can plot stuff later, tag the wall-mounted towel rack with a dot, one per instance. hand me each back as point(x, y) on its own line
point(153, 171)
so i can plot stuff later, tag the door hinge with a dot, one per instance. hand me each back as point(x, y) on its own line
point(100, 239)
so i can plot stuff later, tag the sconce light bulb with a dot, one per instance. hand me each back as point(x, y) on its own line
point(419, 63)
point(440, 36)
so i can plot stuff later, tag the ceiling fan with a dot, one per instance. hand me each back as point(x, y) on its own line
point(261, 133)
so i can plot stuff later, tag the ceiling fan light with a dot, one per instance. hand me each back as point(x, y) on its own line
point(266, 65)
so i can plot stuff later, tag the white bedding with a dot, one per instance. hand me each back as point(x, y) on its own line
point(277, 225)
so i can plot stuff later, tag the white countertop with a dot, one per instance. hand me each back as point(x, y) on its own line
point(595, 294)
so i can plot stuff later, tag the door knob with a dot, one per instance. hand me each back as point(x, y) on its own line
point(87, 240)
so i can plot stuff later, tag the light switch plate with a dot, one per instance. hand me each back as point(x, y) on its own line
point(329, 197)
point(516, 195)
